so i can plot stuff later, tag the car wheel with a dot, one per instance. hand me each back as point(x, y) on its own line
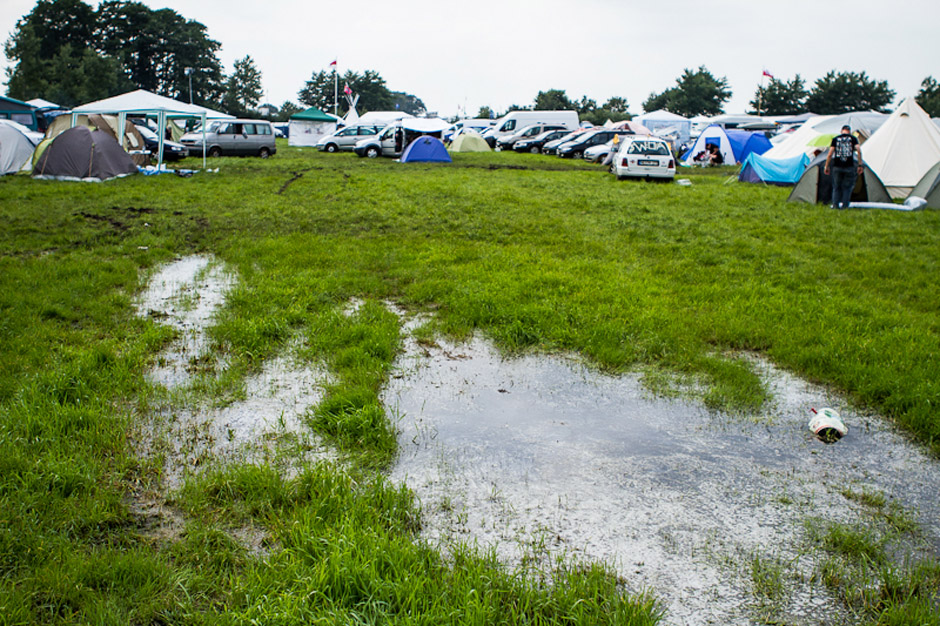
point(264, 153)
point(215, 151)
point(534, 149)
point(372, 152)
point(331, 147)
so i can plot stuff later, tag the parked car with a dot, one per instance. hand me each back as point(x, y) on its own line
point(642, 156)
point(507, 142)
point(549, 147)
point(576, 147)
point(172, 151)
point(515, 120)
point(534, 144)
point(346, 138)
point(240, 137)
point(394, 138)
point(596, 154)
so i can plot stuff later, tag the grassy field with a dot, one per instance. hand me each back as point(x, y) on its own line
point(537, 252)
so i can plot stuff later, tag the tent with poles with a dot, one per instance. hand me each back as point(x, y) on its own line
point(815, 186)
point(308, 127)
point(903, 148)
point(142, 103)
point(757, 168)
point(734, 145)
point(664, 120)
point(16, 149)
point(469, 141)
point(425, 149)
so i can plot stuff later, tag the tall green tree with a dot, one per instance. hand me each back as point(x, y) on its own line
point(781, 97)
point(370, 86)
point(553, 100)
point(243, 90)
point(695, 93)
point(485, 113)
point(929, 96)
point(408, 103)
point(65, 51)
point(843, 92)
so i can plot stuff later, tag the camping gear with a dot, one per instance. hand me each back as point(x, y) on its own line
point(827, 425)
point(308, 127)
point(903, 148)
point(784, 172)
point(16, 149)
point(469, 141)
point(734, 145)
point(83, 154)
point(929, 187)
point(816, 186)
point(425, 149)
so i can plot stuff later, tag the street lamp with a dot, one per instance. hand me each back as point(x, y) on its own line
point(189, 72)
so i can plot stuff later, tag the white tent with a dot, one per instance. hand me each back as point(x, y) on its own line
point(903, 149)
point(797, 142)
point(16, 150)
point(143, 102)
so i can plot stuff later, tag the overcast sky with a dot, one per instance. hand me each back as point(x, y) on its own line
point(466, 55)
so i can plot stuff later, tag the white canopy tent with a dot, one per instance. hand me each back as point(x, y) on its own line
point(143, 102)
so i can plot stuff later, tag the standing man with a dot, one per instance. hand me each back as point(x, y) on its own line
point(840, 158)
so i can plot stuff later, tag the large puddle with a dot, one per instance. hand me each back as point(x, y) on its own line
point(539, 456)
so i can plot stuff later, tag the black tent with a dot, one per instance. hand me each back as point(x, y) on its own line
point(80, 153)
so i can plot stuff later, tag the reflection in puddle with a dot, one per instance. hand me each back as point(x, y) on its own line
point(542, 453)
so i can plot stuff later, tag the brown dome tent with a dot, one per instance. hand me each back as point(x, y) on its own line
point(80, 153)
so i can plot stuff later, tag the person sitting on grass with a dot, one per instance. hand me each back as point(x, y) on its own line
point(714, 155)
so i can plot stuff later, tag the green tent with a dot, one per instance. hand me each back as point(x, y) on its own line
point(313, 114)
point(307, 127)
point(929, 187)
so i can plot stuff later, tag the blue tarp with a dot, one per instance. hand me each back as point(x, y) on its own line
point(759, 169)
point(425, 149)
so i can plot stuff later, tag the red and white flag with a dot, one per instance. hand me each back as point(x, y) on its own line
point(347, 90)
point(333, 64)
point(768, 74)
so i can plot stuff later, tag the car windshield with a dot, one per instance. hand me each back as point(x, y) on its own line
point(568, 137)
point(648, 148)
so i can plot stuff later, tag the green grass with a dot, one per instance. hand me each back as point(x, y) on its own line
point(535, 252)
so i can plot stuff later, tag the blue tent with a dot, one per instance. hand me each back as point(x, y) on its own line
point(733, 144)
point(784, 172)
point(425, 149)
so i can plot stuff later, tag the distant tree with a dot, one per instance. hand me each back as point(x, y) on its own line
point(243, 89)
point(286, 110)
point(553, 100)
point(617, 105)
point(408, 103)
point(929, 97)
point(485, 113)
point(781, 97)
point(586, 105)
point(843, 92)
point(370, 86)
point(696, 93)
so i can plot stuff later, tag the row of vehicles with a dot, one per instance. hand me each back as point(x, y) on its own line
point(537, 132)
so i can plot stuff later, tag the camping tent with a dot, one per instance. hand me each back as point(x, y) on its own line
point(863, 123)
point(15, 148)
point(469, 141)
point(144, 103)
point(798, 142)
point(425, 149)
point(903, 149)
point(929, 187)
point(816, 186)
point(80, 153)
point(664, 120)
point(758, 168)
point(308, 127)
point(734, 145)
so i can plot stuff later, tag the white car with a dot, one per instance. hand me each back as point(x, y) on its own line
point(642, 156)
point(596, 154)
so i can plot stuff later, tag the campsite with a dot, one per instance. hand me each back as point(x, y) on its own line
point(318, 386)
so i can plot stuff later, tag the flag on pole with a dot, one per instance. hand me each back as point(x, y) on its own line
point(768, 74)
point(347, 90)
point(333, 64)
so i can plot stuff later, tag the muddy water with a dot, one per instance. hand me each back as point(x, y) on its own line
point(186, 294)
point(539, 456)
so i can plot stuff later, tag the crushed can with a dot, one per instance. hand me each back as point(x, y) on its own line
point(827, 425)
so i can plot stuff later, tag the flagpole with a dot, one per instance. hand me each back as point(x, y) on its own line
point(335, 90)
point(760, 93)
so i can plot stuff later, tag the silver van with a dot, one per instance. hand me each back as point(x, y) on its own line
point(346, 138)
point(241, 137)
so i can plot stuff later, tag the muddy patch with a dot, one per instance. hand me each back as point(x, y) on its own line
point(540, 457)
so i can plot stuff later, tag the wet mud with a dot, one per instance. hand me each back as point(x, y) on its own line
point(540, 457)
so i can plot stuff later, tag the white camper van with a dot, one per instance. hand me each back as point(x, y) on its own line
point(516, 120)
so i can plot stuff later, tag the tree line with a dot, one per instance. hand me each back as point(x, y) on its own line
point(68, 52)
